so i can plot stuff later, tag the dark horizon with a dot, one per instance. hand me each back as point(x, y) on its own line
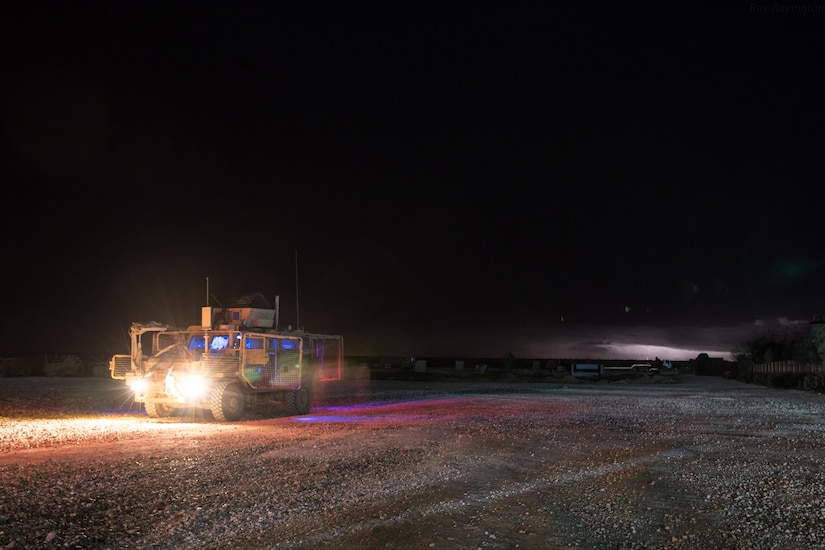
point(510, 179)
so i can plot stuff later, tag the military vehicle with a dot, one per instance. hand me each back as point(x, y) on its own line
point(236, 357)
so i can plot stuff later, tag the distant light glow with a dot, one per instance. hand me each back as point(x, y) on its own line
point(649, 353)
point(639, 343)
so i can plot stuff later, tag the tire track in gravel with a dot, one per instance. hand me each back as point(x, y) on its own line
point(477, 499)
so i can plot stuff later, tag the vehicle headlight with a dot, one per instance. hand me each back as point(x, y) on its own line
point(192, 386)
point(139, 386)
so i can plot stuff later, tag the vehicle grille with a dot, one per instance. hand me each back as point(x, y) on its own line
point(120, 366)
point(220, 366)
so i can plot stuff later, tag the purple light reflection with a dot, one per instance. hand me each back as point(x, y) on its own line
point(343, 418)
point(351, 412)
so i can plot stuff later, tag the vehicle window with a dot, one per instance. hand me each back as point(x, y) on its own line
point(219, 342)
point(254, 342)
point(196, 343)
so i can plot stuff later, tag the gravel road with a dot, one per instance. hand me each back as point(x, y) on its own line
point(699, 463)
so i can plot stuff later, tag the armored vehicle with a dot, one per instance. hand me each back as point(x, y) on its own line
point(235, 357)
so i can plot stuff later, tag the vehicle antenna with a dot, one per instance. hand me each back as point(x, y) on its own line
point(297, 307)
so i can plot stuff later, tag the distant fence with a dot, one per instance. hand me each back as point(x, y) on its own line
point(789, 367)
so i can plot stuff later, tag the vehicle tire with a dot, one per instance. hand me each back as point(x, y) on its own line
point(227, 402)
point(297, 401)
point(158, 410)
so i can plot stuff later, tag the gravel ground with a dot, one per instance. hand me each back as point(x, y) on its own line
point(699, 463)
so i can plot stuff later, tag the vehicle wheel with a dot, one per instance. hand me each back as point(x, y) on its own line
point(158, 410)
point(227, 402)
point(297, 401)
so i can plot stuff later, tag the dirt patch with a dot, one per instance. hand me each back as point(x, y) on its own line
point(700, 463)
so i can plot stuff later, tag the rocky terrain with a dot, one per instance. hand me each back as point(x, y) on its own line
point(700, 462)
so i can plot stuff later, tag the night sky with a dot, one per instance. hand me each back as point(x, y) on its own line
point(469, 182)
